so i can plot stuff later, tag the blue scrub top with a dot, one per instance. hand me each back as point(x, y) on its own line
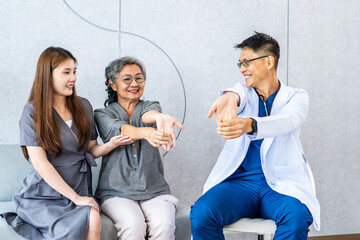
point(252, 162)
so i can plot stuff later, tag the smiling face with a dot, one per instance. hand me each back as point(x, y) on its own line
point(134, 90)
point(255, 72)
point(64, 78)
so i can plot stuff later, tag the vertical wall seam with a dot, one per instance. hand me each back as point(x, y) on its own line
point(119, 28)
point(287, 44)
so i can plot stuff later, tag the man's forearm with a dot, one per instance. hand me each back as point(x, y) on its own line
point(233, 95)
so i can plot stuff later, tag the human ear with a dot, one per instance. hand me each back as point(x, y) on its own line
point(113, 86)
point(270, 62)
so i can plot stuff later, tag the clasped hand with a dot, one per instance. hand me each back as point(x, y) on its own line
point(165, 124)
point(120, 140)
point(229, 125)
point(234, 128)
point(85, 201)
point(157, 138)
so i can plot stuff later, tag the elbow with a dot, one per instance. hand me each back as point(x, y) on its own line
point(92, 151)
point(301, 117)
point(36, 166)
point(146, 119)
point(39, 167)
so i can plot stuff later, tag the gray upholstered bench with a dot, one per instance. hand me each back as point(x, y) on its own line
point(14, 168)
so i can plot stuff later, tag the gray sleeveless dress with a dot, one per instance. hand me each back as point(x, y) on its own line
point(42, 212)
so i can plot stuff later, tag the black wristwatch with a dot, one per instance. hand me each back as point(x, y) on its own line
point(253, 126)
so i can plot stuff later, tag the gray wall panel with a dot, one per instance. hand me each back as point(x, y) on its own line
point(323, 59)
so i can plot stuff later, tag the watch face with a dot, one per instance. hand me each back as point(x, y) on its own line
point(253, 126)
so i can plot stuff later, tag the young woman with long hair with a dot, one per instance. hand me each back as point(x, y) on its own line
point(58, 137)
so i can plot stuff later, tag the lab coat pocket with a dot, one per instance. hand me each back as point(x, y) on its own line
point(295, 172)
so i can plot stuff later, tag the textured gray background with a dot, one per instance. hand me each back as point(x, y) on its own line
point(187, 47)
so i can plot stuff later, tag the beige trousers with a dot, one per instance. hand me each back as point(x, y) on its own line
point(135, 219)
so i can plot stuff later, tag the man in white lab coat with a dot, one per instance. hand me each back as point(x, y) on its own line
point(262, 170)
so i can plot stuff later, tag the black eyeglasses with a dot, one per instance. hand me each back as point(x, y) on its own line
point(127, 79)
point(245, 63)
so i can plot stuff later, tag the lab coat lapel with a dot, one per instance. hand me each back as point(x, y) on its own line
point(279, 101)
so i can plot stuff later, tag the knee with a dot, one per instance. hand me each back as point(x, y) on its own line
point(132, 228)
point(202, 214)
point(298, 220)
point(94, 222)
point(163, 227)
point(138, 225)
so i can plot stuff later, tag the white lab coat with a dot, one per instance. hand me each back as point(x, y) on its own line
point(282, 159)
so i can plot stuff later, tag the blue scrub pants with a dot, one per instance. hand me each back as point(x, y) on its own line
point(248, 196)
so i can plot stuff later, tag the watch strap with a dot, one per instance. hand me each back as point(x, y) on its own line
point(253, 126)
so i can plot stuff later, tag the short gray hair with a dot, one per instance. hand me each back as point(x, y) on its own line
point(114, 68)
point(112, 72)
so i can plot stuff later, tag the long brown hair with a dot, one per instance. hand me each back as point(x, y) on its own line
point(46, 127)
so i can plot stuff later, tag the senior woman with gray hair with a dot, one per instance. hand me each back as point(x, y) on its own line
point(132, 189)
